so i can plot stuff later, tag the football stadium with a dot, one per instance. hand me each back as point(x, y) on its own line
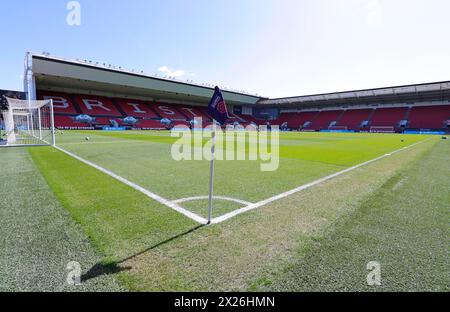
point(116, 180)
point(358, 171)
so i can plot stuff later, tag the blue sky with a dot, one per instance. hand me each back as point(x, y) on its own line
point(274, 48)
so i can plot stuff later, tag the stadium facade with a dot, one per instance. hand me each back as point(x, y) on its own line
point(90, 95)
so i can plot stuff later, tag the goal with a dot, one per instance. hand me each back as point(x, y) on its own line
point(382, 129)
point(28, 122)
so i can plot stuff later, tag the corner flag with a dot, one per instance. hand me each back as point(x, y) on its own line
point(217, 107)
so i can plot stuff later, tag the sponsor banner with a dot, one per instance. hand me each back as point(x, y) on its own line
point(425, 132)
point(382, 131)
point(114, 128)
point(339, 131)
point(74, 128)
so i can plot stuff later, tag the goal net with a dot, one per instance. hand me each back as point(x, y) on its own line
point(27, 122)
point(382, 129)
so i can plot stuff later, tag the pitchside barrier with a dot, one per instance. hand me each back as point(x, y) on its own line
point(425, 132)
point(338, 131)
point(382, 129)
point(338, 128)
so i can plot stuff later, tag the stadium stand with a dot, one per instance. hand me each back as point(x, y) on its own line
point(429, 117)
point(251, 119)
point(193, 112)
point(134, 108)
point(284, 117)
point(324, 119)
point(69, 123)
point(168, 111)
point(241, 119)
point(295, 120)
point(235, 118)
point(387, 109)
point(298, 120)
point(96, 106)
point(105, 121)
point(353, 118)
point(62, 103)
point(147, 124)
point(111, 112)
point(388, 117)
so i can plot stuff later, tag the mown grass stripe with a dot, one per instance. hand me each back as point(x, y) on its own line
point(139, 188)
point(38, 237)
point(403, 226)
point(304, 187)
point(119, 220)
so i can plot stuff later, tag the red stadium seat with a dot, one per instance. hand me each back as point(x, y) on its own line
point(103, 109)
point(299, 119)
point(61, 102)
point(324, 119)
point(148, 124)
point(388, 117)
point(68, 122)
point(105, 121)
point(168, 111)
point(282, 118)
point(193, 112)
point(97, 106)
point(294, 120)
point(429, 117)
point(136, 108)
point(353, 118)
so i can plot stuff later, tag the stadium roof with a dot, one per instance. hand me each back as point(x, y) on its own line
point(78, 76)
point(399, 94)
point(60, 74)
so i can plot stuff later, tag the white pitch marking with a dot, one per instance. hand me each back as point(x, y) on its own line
point(239, 201)
point(154, 196)
point(303, 187)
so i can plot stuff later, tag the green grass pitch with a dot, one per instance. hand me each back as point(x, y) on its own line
point(144, 158)
point(141, 244)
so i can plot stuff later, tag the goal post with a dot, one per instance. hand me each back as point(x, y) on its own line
point(28, 123)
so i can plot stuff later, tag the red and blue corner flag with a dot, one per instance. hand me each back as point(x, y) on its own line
point(217, 108)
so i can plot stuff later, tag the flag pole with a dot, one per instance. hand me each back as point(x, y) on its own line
point(211, 174)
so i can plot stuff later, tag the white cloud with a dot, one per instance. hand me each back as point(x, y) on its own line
point(375, 13)
point(172, 73)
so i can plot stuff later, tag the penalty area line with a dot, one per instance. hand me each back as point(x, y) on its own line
point(264, 202)
point(139, 188)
